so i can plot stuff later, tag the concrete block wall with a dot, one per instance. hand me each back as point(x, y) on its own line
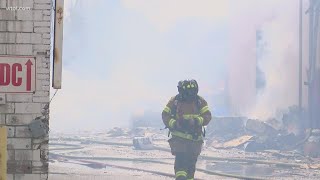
point(25, 31)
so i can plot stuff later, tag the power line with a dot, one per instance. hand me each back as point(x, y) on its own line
point(53, 96)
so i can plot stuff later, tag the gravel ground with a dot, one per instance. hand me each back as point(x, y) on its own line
point(76, 169)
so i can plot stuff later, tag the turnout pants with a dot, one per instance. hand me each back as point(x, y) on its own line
point(185, 165)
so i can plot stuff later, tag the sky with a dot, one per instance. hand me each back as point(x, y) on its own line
point(124, 58)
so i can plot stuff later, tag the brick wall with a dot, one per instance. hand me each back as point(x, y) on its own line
point(26, 33)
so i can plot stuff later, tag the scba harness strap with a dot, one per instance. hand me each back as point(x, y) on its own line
point(176, 101)
point(173, 112)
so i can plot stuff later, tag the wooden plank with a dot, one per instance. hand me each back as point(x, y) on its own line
point(3, 153)
point(58, 41)
point(237, 142)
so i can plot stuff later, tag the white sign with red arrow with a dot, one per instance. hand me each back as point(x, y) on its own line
point(17, 74)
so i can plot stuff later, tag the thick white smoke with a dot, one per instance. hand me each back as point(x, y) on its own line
point(279, 22)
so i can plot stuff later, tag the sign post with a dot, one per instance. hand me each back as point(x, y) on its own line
point(57, 50)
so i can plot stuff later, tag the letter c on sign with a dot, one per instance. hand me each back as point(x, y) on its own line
point(16, 81)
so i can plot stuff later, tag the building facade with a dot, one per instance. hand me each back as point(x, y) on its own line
point(25, 43)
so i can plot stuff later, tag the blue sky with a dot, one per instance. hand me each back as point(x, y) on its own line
point(125, 57)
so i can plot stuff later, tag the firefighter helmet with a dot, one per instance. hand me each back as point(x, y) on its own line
point(188, 88)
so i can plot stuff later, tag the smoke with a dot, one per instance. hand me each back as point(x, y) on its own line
point(164, 14)
point(120, 61)
point(278, 21)
point(125, 57)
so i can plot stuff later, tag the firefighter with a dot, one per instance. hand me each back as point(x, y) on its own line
point(185, 115)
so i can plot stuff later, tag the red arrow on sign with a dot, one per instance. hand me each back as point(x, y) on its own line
point(29, 64)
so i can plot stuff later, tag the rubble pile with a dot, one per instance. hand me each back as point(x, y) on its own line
point(226, 127)
point(312, 145)
point(254, 135)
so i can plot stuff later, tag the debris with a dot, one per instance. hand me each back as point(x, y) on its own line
point(287, 141)
point(226, 126)
point(279, 142)
point(260, 128)
point(312, 146)
point(237, 142)
point(291, 121)
point(143, 143)
point(314, 166)
point(310, 166)
point(254, 146)
point(275, 123)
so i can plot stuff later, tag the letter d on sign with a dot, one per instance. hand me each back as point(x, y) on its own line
point(4, 74)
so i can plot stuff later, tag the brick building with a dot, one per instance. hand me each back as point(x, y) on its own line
point(25, 34)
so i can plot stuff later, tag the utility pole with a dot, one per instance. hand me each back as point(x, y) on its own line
point(310, 69)
point(300, 61)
